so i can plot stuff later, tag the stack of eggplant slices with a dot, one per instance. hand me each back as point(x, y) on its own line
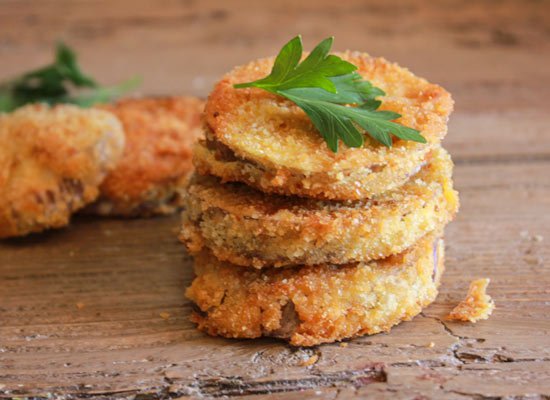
point(319, 198)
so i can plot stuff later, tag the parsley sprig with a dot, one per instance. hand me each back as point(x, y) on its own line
point(60, 82)
point(338, 101)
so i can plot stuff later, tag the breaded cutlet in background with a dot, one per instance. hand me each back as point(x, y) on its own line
point(149, 179)
point(52, 161)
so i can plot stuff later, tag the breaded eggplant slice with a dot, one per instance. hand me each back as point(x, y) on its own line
point(160, 133)
point(249, 228)
point(52, 161)
point(310, 305)
point(265, 141)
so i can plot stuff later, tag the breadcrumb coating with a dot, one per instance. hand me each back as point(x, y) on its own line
point(476, 306)
point(310, 305)
point(268, 142)
point(246, 227)
point(52, 160)
point(149, 179)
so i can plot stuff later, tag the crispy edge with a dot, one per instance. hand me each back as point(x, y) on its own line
point(350, 185)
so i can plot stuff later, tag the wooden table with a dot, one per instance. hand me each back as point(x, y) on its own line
point(97, 310)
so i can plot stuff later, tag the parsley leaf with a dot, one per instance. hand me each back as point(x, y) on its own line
point(340, 104)
point(60, 82)
point(314, 71)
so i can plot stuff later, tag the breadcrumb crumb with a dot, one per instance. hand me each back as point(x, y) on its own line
point(476, 306)
point(310, 361)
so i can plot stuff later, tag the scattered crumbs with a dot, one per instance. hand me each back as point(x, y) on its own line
point(533, 260)
point(164, 315)
point(431, 345)
point(343, 344)
point(310, 361)
point(80, 305)
point(527, 236)
point(34, 337)
point(476, 306)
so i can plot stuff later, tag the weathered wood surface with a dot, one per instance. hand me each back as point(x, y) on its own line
point(80, 308)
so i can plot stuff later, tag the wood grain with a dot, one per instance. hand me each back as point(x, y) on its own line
point(97, 310)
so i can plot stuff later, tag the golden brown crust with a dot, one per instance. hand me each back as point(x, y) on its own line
point(476, 306)
point(276, 148)
point(249, 228)
point(160, 132)
point(312, 305)
point(52, 161)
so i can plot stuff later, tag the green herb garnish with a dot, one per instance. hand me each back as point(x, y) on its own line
point(325, 87)
point(60, 82)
